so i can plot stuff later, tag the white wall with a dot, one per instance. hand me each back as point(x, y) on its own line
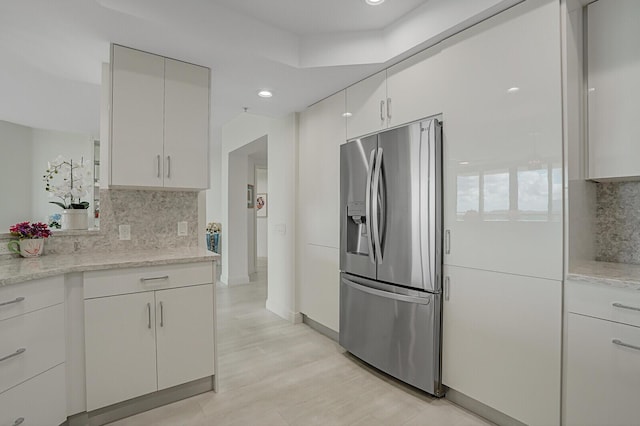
point(214, 193)
point(282, 154)
point(262, 187)
point(251, 219)
point(16, 174)
point(47, 145)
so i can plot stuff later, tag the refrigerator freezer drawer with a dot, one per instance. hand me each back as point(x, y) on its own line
point(396, 333)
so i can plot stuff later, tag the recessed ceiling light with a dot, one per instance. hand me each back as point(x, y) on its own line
point(374, 2)
point(513, 89)
point(347, 114)
point(265, 94)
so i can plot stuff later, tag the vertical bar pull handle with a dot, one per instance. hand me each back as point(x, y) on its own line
point(381, 110)
point(161, 315)
point(367, 206)
point(11, 302)
point(447, 241)
point(16, 353)
point(168, 166)
point(158, 164)
point(374, 206)
point(447, 290)
point(389, 108)
point(149, 315)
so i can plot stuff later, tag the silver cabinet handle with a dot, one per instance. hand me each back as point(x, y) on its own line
point(389, 108)
point(168, 166)
point(158, 165)
point(446, 288)
point(18, 421)
point(447, 241)
point(11, 302)
point(620, 305)
point(161, 315)
point(381, 110)
point(367, 206)
point(164, 277)
point(16, 353)
point(149, 315)
point(626, 345)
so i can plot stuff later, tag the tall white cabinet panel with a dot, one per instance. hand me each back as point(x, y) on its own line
point(367, 104)
point(186, 125)
point(603, 378)
point(322, 130)
point(502, 342)
point(613, 88)
point(184, 334)
point(137, 117)
point(120, 348)
point(415, 87)
point(503, 143)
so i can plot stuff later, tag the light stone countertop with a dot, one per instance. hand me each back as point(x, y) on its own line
point(17, 270)
point(621, 275)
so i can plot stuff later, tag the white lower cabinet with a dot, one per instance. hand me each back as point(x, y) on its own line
point(146, 341)
point(36, 402)
point(603, 372)
point(502, 340)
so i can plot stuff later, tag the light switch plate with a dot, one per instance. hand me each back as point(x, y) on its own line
point(183, 228)
point(125, 232)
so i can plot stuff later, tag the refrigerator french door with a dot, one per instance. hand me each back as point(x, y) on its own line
point(391, 251)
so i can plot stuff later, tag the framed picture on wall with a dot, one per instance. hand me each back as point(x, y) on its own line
point(250, 197)
point(261, 204)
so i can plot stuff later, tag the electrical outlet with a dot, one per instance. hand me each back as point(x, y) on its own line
point(125, 232)
point(183, 228)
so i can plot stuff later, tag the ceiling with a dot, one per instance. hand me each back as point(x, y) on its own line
point(303, 50)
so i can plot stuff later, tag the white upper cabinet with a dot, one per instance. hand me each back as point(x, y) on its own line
point(366, 104)
point(503, 143)
point(159, 121)
point(137, 117)
point(186, 125)
point(613, 88)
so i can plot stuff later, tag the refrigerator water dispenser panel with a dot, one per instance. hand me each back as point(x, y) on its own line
point(357, 237)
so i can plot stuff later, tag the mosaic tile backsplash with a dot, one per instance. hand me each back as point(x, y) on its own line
point(618, 222)
point(152, 215)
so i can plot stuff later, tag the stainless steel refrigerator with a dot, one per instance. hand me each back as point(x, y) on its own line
point(391, 252)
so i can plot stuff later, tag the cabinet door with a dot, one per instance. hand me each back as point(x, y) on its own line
point(184, 324)
point(503, 143)
point(366, 102)
point(614, 88)
point(603, 379)
point(415, 87)
point(120, 348)
point(501, 342)
point(186, 126)
point(137, 116)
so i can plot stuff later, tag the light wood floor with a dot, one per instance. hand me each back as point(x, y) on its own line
point(276, 373)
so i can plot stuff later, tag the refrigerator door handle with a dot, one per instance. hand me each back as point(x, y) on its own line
point(387, 294)
point(367, 206)
point(427, 202)
point(374, 207)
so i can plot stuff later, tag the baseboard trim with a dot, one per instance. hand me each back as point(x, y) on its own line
point(481, 409)
point(281, 311)
point(320, 328)
point(142, 403)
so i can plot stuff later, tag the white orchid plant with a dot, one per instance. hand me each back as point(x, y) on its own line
point(74, 179)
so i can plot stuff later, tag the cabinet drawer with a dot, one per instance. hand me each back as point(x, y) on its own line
point(602, 301)
point(18, 299)
point(36, 341)
point(603, 379)
point(39, 401)
point(133, 280)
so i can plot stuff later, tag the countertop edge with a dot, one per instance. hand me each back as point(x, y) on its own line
point(157, 258)
point(612, 282)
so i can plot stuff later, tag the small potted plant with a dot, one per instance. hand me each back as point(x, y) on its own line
point(31, 238)
point(73, 182)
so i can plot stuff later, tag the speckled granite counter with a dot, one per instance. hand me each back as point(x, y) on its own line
point(622, 275)
point(18, 270)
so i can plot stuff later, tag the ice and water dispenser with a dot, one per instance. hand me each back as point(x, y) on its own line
point(357, 228)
